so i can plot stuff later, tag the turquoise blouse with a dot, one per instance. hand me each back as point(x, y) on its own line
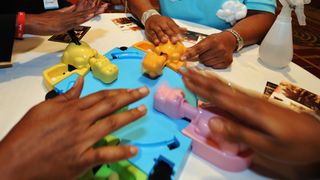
point(204, 11)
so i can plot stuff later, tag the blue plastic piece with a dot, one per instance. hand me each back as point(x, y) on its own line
point(157, 136)
point(125, 53)
point(66, 84)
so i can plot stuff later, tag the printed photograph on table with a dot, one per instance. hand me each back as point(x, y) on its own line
point(193, 37)
point(65, 38)
point(127, 24)
point(296, 97)
point(268, 90)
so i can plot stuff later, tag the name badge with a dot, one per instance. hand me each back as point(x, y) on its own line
point(51, 4)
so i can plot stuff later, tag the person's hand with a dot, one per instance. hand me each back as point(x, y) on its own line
point(275, 132)
point(54, 139)
point(58, 21)
point(215, 51)
point(88, 4)
point(160, 29)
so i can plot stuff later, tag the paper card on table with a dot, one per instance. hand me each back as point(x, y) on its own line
point(295, 97)
point(127, 24)
point(268, 90)
point(65, 38)
point(193, 37)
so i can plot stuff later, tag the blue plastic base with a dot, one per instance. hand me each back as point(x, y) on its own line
point(156, 136)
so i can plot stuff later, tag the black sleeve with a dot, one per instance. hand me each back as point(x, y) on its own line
point(37, 6)
point(7, 33)
point(28, 6)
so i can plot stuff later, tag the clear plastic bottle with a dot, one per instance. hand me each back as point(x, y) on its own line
point(276, 49)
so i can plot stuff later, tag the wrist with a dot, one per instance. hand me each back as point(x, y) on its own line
point(147, 14)
point(32, 24)
point(239, 40)
point(20, 24)
point(230, 40)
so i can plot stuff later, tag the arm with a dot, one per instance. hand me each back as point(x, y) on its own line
point(216, 50)
point(61, 20)
point(274, 132)
point(254, 27)
point(55, 138)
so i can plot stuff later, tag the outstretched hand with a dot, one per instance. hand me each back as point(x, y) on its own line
point(215, 51)
point(100, 6)
point(62, 20)
point(272, 131)
point(54, 139)
point(160, 29)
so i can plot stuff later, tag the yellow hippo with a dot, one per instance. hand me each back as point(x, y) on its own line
point(172, 51)
point(83, 56)
point(153, 64)
point(102, 69)
point(78, 55)
point(167, 54)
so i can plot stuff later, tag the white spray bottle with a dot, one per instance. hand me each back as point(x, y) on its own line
point(276, 49)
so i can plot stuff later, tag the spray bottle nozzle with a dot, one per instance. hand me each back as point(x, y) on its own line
point(299, 10)
point(298, 6)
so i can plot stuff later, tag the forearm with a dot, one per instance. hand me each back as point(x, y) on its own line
point(6, 161)
point(31, 24)
point(137, 7)
point(254, 27)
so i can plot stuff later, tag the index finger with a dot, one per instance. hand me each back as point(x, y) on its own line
point(92, 99)
point(73, 93)
point(194, 51)
point(108, 105)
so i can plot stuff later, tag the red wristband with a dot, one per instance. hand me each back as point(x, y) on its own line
point(21, 16)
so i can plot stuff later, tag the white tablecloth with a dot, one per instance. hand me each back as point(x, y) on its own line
point(21, 86)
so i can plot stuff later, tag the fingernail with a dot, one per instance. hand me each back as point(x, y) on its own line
point(143, 90)
point(217, 125)
point(142, 108)
point(133, 150)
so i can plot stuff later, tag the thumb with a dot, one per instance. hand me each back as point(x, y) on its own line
point(74, 92)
